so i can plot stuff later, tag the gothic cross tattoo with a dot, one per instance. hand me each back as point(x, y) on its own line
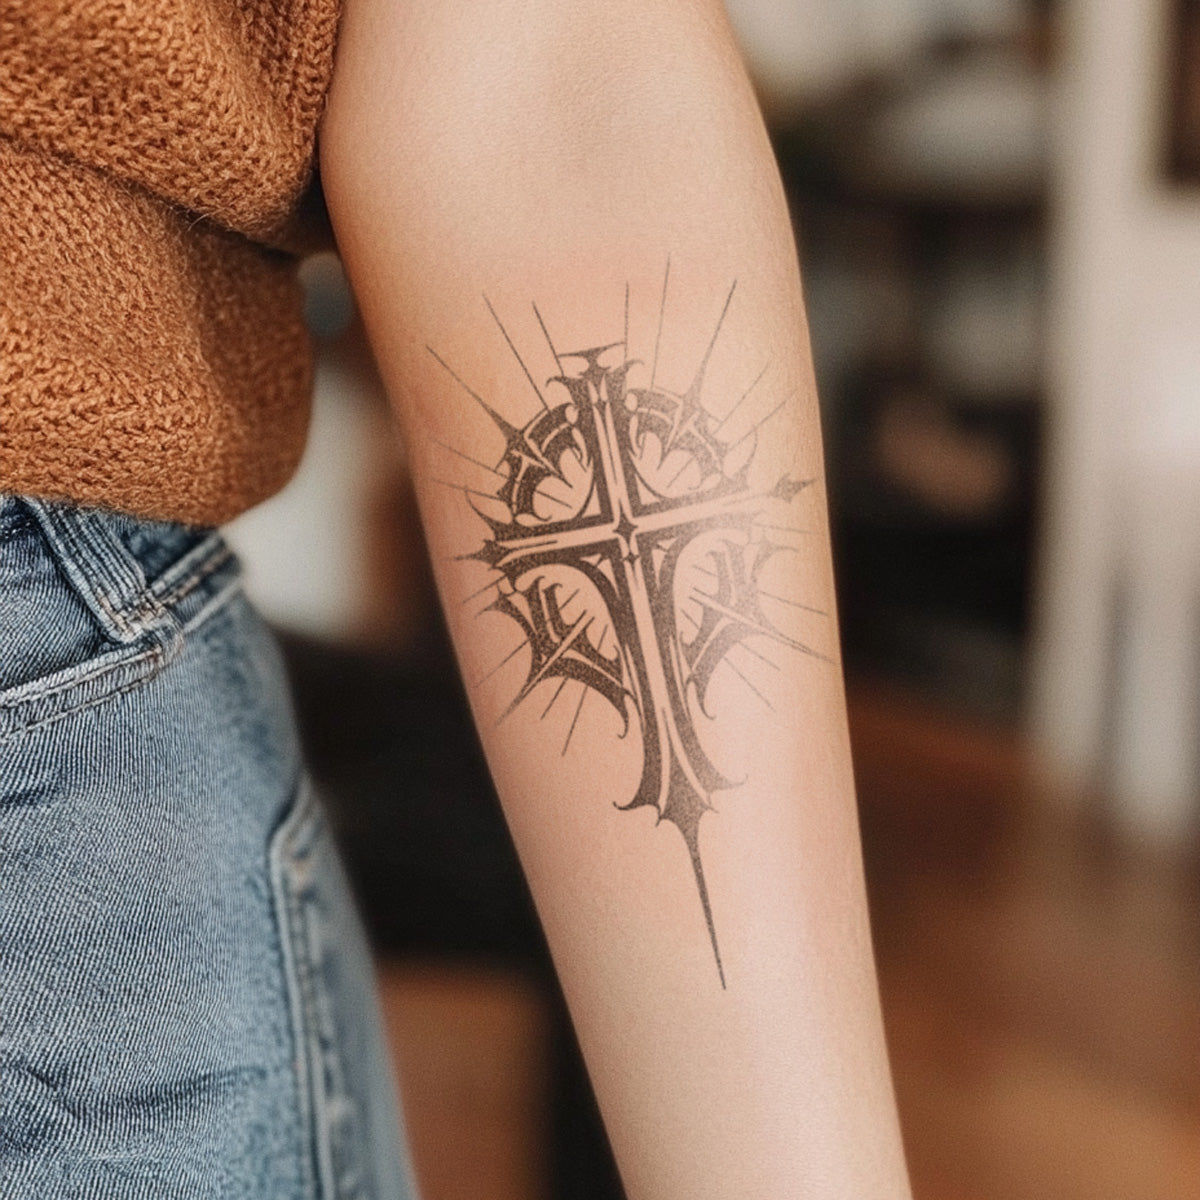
point(628, 546)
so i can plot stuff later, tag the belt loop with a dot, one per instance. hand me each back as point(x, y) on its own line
point(107, 577)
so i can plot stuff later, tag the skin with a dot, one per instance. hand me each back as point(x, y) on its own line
point(558, 154)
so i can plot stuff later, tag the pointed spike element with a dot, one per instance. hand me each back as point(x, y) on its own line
point(725, 662)
point(786, 489)
point(692, 838)
point(491, 552)
point(536, 676)
point(487, 587)
point(741, 400)
point(467, 458)
point(574, 722)
point(662, 309)
point(505, 428)
point(590, 355)
point(693, 391)
point(546, 334)
point(462, 487)
point(503, 662)
point(557, 692)
point(820, 612)
point(760, 423)
point(784, 528)
point(537, 391)
point(752, 625)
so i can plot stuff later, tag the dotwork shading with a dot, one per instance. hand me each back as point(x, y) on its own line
point(626, 543)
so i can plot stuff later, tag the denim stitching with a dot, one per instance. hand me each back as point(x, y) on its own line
point(194, 579)
point(201, 560)
point(297, 976)
point(324, 1078)
point(95, 569)
point(156, 657)
point(45, 690)
point(94, 563)
point(166, 644)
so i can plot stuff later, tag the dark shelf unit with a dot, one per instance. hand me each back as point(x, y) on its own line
point(932, 596)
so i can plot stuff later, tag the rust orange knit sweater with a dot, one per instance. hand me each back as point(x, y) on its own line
point(152, 155)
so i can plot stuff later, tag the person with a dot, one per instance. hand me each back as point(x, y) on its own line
point(574, 259)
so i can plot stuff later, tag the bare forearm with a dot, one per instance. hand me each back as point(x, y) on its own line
point(576, 266)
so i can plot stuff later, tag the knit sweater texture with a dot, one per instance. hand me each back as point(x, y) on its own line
point(153, 356)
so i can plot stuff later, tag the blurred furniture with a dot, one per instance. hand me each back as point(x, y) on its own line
point(1116, 687)
point(919, 194)
point(1183, 136)
point(472, 1051)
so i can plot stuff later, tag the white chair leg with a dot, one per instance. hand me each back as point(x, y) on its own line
point(1155, 760)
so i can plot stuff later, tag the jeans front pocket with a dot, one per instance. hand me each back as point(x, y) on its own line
point(346, 1093)
point(64, 644)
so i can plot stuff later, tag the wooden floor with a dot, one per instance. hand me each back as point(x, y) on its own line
point(1041, 987)
point(470, 1050)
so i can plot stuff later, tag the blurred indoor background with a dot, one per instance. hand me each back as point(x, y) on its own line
point(998, 209)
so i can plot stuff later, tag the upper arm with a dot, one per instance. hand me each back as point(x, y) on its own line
point(486, 129)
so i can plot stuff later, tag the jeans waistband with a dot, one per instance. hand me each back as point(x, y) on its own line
point(136, 575)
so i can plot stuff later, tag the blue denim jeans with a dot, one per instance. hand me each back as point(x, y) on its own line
point(186, 1002)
